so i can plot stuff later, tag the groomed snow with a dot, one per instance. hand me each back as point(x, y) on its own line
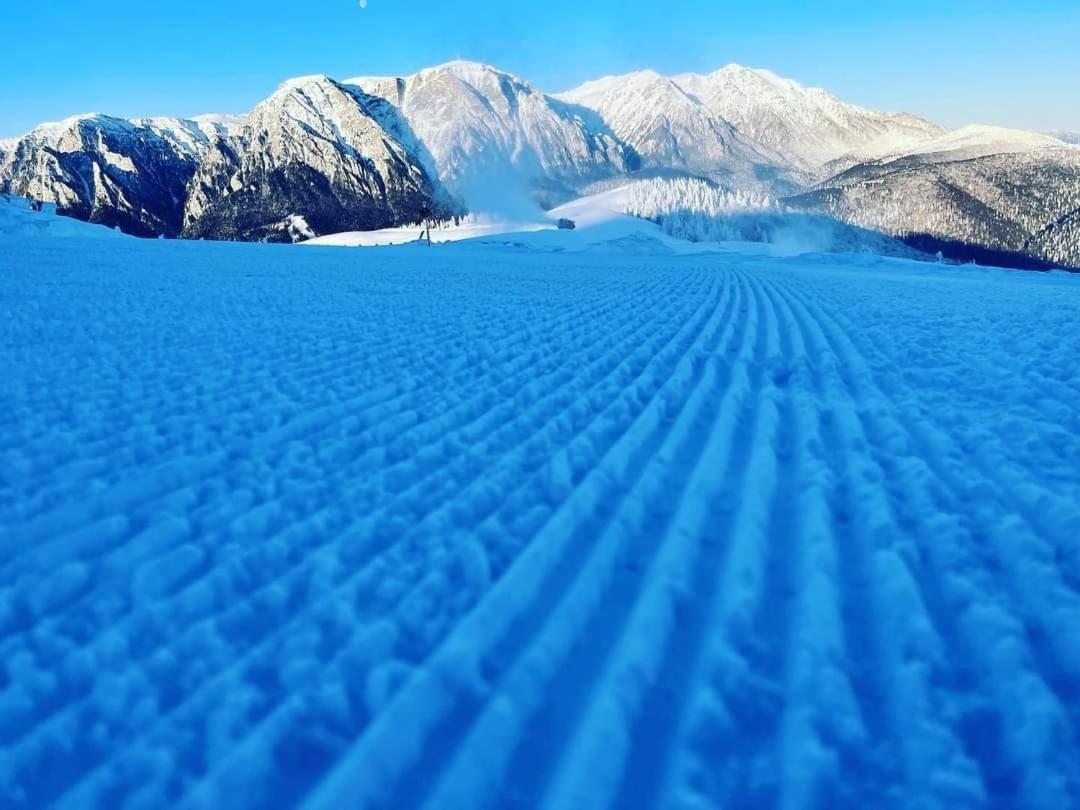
point(490, 526)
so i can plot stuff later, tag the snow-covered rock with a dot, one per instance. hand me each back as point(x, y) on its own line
point(316, 152)
point(482, 126)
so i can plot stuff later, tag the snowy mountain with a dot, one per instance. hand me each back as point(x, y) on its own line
point(322, 157)
point(670, 128)
point(316, 157)
point(808, 125)
point(131, 174)
point(976, 194)
point(485, 129)
point(742, 126)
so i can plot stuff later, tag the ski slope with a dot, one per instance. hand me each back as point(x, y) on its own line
point(489, 526)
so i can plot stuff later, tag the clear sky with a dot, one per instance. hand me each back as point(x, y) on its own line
point(955, 61)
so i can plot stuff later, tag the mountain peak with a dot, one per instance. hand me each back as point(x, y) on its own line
point(303, 82)
point(464, 66)
point(638, 84)
point(479, 122)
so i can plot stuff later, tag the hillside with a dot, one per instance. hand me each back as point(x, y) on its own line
point(1011, 208)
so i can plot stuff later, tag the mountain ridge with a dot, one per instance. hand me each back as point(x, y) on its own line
point(320, 155)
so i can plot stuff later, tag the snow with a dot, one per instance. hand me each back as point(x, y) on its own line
point(979, 140)
point(501, 525)
point(18, 221)
point(52, 130)
point(476, 227)
point(299, 226)
point(1070, 137)
point(302, 83)
point(648, 216)
point(600, 219)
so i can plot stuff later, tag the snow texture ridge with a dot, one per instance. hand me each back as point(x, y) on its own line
point(488, 527)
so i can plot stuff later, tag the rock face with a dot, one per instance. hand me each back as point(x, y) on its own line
point(317, 157)
point(127, 174)
point(483, 126)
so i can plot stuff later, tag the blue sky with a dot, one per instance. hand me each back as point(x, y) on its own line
point(1009, 63)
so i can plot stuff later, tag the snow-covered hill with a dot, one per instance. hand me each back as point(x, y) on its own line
point(489, 130)
point(1068, 136)
point(317, 157)
point(1016, 205)
point(483, 527)
point(979, 141)
point(965, 143)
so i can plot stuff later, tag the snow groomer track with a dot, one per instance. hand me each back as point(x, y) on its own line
point(484, 527)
